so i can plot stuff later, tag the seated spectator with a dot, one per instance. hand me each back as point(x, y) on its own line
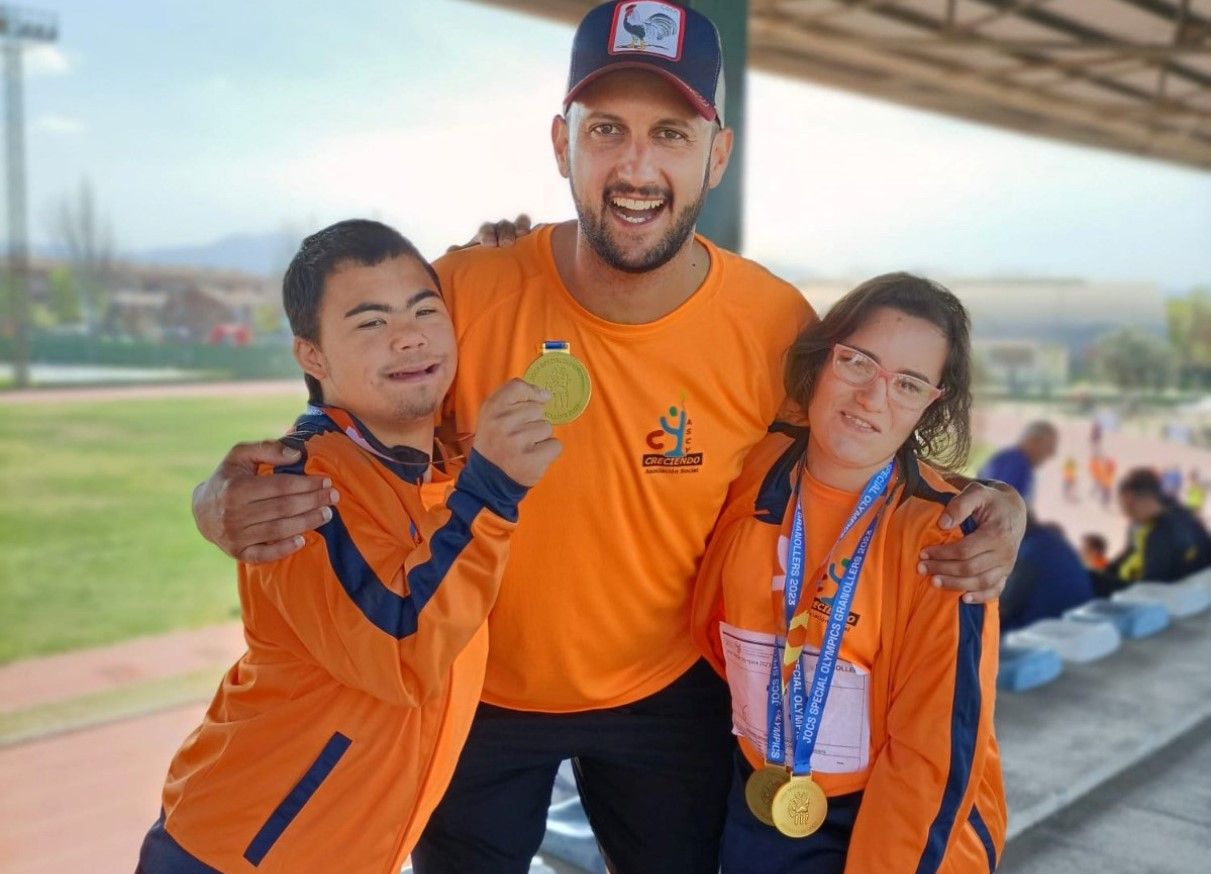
point(1165, 543)
point(1047, 579)
point(1095, 552)
point(1196, 492)
point(1015, 464)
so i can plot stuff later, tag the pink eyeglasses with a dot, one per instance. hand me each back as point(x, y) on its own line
point(857, 368)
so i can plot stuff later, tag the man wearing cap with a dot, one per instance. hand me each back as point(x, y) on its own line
point(590, 653)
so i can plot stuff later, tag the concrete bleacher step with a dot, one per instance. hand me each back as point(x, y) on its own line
point(1134, 619)
point(1027, 667)
point(1186, 598)
point(1098, 719)
point(1074, 641)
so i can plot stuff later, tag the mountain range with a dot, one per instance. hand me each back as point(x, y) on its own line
point(265, 254)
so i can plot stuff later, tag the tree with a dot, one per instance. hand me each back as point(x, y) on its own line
point(1133, 359)
point(1189, 320)
point(88, 240)
point(64, 303)
point(269, 320)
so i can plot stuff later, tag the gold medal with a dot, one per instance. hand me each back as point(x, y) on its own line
point(799, 807)
point(760, 788)
point(565, 377)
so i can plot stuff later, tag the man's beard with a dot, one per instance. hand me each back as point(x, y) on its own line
point(603, 244)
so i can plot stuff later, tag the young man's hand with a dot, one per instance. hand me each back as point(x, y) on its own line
point(979, 563)
point(260, 518)
point(501, 234)
point(514, 435)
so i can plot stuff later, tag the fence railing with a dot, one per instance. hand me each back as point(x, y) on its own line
point(258, 361)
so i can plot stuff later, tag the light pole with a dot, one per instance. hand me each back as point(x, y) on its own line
point(19, 27)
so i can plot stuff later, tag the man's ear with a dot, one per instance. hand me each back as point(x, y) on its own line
point(721, 153)
point(559, 141)
point(310, 358)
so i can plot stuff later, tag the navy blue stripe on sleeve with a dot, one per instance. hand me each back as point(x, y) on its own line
point(985, 836)
point(481, 484)
point(490, 486)
point(388, 611)
point(293, 803)
point(964, 725)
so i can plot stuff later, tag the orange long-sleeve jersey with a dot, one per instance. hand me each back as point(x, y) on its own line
point(594, 606)
point(909, 721)
point(332, 739)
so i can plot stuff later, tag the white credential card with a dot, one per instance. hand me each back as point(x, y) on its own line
point(844, 743)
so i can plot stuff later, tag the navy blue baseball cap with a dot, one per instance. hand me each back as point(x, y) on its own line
point(676, 42)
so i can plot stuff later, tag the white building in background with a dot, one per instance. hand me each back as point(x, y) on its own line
point(1035, 331)
point(1021, 365)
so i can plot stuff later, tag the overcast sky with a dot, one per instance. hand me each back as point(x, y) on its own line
point(197, 120)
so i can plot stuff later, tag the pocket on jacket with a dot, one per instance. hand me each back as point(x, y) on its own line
point(297, 798)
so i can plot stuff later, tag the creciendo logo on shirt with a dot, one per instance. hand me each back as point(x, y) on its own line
point(647, 27)
point(672, 444)
point(822, 606)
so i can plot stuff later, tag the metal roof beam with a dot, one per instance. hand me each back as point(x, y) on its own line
point(1044, 86)
point(1002, 100)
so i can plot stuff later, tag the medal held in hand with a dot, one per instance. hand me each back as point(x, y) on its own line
point(565, 377)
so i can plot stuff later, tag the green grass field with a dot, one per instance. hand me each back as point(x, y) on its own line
point(96, 539)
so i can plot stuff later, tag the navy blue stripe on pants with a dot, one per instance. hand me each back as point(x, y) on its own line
point(161, 854)
point(653, 777)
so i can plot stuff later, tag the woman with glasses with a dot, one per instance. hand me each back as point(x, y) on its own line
point(862, 695)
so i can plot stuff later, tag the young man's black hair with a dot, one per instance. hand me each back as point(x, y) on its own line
point(1142, 481)
point(361, 241)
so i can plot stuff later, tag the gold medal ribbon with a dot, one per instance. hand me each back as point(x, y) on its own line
point(846, 546)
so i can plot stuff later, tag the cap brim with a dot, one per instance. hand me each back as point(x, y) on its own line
point(700, 104)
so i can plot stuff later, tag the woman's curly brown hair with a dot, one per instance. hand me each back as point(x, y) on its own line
point(943, 434)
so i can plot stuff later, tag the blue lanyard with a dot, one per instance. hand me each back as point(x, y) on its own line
point(806, 712)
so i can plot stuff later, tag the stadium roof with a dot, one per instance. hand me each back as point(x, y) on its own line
point(1128, 75)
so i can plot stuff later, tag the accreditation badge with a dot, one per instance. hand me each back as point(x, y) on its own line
point(567, 379)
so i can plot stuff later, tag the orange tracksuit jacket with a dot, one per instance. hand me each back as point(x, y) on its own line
point(933, 798)
point(331, 740)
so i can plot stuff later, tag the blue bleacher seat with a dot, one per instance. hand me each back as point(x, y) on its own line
point(1181, 599)
point(1074, 641)
point(1027, 667)
point(1133, 619)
